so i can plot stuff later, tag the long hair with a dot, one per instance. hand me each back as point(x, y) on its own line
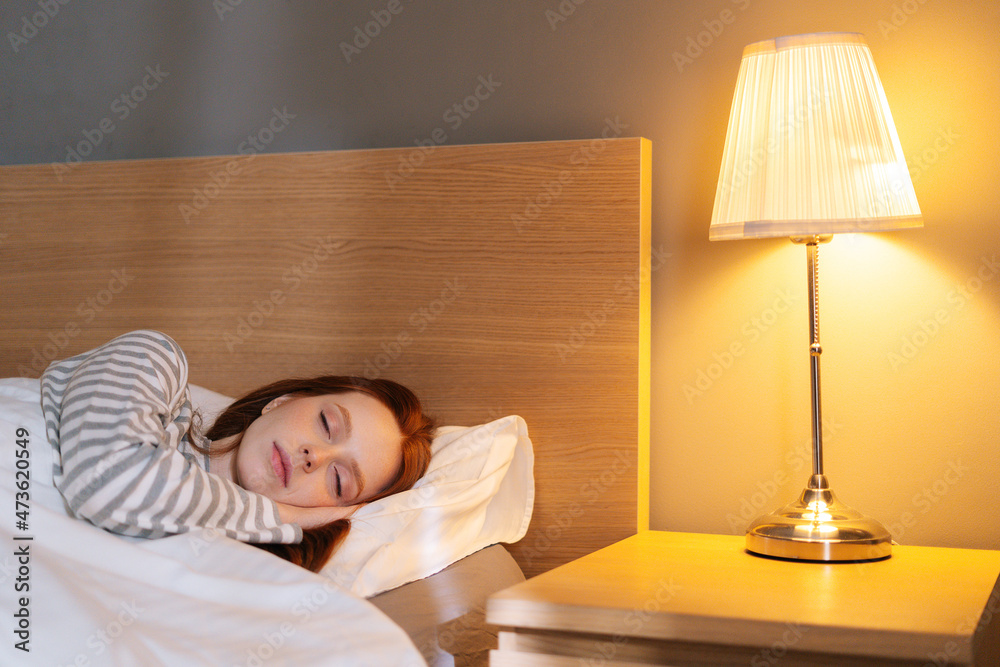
point(318, 544)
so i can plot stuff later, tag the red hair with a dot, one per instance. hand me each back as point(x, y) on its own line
point(318, 544)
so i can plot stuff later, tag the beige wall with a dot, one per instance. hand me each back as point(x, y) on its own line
point(910, 320)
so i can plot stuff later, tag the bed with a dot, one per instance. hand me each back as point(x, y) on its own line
point(507, 284)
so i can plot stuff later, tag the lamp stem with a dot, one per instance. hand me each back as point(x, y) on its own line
point(817, 526)
point(815, 350)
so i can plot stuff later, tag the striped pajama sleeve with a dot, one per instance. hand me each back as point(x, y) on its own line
point(117, 418)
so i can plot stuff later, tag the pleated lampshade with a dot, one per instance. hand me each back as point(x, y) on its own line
point(811, 148)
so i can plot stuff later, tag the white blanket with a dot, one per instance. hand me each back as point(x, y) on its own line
point(76, 595)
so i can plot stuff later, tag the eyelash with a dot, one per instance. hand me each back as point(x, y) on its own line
point(326, 427)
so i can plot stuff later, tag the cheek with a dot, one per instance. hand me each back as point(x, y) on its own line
point(311, 491)
point(247, 477)
point(249, 471)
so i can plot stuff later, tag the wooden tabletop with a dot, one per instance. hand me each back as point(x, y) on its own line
point(923, 601)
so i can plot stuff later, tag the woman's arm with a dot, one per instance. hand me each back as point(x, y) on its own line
point(314, 517)
point(116, 416)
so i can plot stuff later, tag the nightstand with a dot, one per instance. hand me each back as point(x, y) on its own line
point(687, 599)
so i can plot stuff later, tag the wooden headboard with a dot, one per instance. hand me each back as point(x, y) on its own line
point(492, 279)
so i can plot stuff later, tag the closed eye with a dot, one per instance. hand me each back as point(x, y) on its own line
point(326, 424)
point(339, 491)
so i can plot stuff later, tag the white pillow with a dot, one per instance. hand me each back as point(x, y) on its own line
point(478, 490)
point(208, 403)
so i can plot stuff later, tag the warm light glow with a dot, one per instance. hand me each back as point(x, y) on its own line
point(815, 529)
point(811, 147)
point(818, 512)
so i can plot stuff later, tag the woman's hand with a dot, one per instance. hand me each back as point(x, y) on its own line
point(314, 517)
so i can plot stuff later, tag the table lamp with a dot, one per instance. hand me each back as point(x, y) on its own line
point(811, 151)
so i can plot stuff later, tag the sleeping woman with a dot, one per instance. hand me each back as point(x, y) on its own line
point(282, 468)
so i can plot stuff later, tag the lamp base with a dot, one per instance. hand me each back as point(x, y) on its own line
point(818, 527)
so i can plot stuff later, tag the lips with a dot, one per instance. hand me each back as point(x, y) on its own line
point(281, 464)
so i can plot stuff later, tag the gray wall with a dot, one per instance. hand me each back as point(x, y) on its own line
point(222, 73)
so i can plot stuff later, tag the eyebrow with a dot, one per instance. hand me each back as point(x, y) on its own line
point(355, 468)
point(347, 420)
point(359, 477)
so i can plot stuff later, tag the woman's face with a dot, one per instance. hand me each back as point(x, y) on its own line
point(321, 451)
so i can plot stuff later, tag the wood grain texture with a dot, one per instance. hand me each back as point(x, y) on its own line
point(493, 280)
point(674, 598)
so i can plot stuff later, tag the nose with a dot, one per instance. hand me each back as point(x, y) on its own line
point(313, 457)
